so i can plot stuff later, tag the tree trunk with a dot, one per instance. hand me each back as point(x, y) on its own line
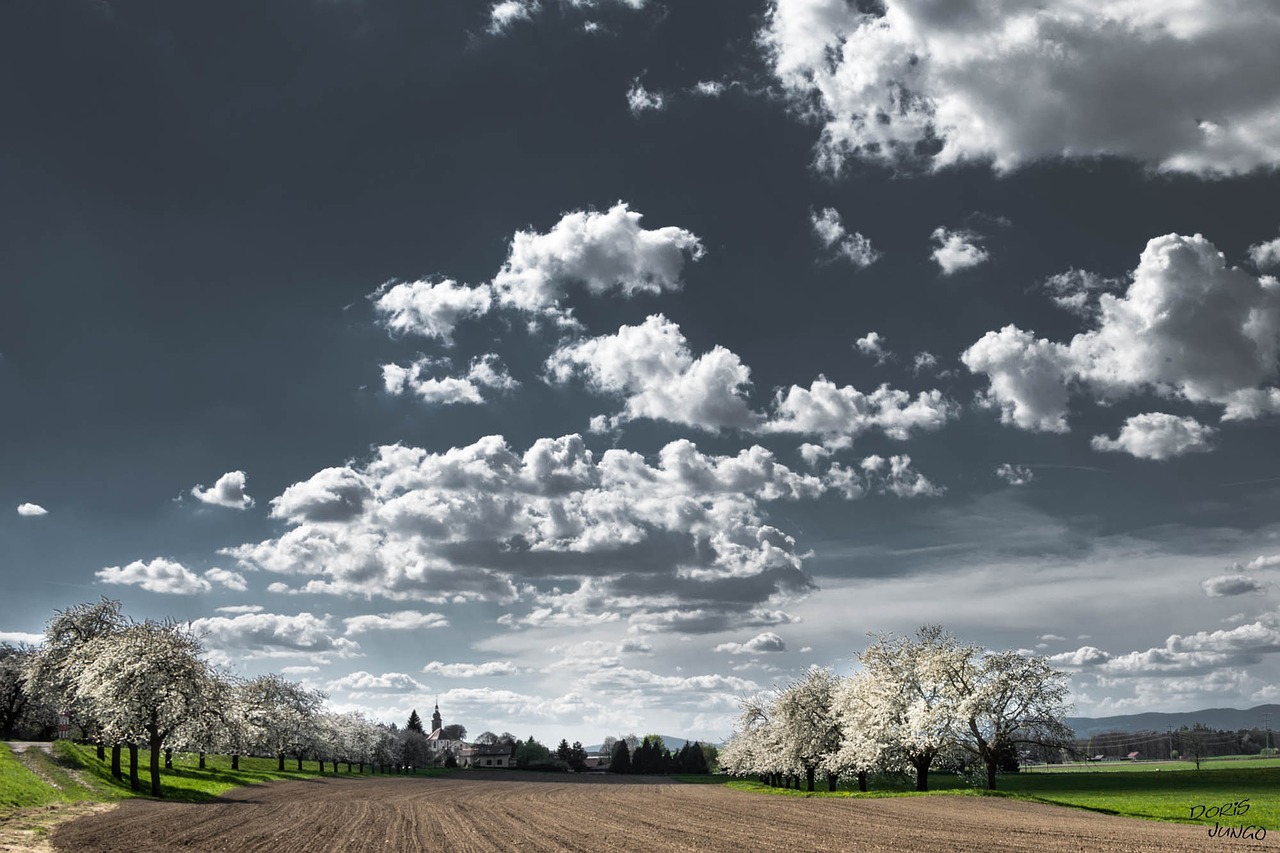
point(133, 766)
point(862, 781)
point(335, 766)
point(833, 779)
point(320, 761)
point(808, 778)
point(299, 762)
point(991, 773)
point(102, 751)
point(202, 761)
point(115, 761)
point(281, 767)
point(168, 758)
point(922, 772)
point(235, 762)
point(155, 763)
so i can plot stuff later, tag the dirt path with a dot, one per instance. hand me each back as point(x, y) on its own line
point(499, 812)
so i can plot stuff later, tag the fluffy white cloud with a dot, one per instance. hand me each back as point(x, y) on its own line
point(158, 575)
point(683, 537)
point(1188, 327)
point(230, 580)
point(21, 637)
point(507, 12)
point(402, 620)
point(1176, 86)
point(641, 100)
point(30, 510)
point(854, 247)
point(872, 344)
point(957, 250)
point(605, 252)
point(240, 608)
point(651, 366)
point(1186, 655)
point(485, 372)
point(1157, 435)
point(896, 476)
point(272, 634)
point(367, 682)
point(838, 414)
point(228, 491)
point(331, 495)
point(429, 309)
point(1028, 377)
point(1265, 255)
point(487, 669)
point(1264, 562)
point(1082, 657)
point(1232, 584)
point(1015, 475)
point(1076, 290)
point(923, 361)
point(760, 643)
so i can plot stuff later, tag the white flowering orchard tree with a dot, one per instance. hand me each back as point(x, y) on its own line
point(907, 701)
point(280, 715)
point(804, 714)
point(146, 679)
point(865, 731)
point(1005, 700)
point(756, 747)
point(50, 672)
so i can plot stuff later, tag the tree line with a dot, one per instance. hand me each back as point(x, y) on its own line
point(917, 703)
point(129, 685)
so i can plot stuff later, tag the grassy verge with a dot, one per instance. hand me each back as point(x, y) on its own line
point(74, 774)
point(1167, 796)
point(21, 787)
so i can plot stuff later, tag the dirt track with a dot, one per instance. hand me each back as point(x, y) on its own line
point(494, 811)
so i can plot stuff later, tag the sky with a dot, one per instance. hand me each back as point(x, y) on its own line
point(585, 365)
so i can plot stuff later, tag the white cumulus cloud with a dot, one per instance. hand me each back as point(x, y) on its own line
point(402, 620)
point(957, 250)
point(30, 510)
point(1157, 435)
point(487, 669)
point(429, 309)
point(855, 248)
point(605, 252)
point(1015, 475)
point(158, 575)
point(1232, 584)
point(760, 643)
point(228, 491)
point(1177, 86)
point(652, 368)
point(485, 373)
point(1188, 327)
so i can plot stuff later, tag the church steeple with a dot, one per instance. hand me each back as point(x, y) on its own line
point(436, 722)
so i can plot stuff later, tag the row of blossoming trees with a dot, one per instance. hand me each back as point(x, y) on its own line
point(128, 684)
point(916, 701)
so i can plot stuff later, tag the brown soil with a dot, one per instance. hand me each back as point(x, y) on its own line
point(513, 812)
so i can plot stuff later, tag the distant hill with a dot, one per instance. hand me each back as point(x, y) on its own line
point(1226, 719)
point(673, 744)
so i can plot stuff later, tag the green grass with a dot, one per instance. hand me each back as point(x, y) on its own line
point(19, 787)
point(1169, 795)
point(185, 782)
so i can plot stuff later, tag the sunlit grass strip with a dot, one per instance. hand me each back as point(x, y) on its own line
point(19, 787)
point(186, 782)
point(1167, 796)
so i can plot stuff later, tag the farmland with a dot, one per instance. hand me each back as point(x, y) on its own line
point(512, 811)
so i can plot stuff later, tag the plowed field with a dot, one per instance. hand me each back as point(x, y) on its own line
point(497, 811)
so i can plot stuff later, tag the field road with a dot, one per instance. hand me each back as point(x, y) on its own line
point(510, 812)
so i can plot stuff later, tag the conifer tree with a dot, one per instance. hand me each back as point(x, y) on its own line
point(415, 722)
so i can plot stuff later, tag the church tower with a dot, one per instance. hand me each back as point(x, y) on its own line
point(436, 722)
